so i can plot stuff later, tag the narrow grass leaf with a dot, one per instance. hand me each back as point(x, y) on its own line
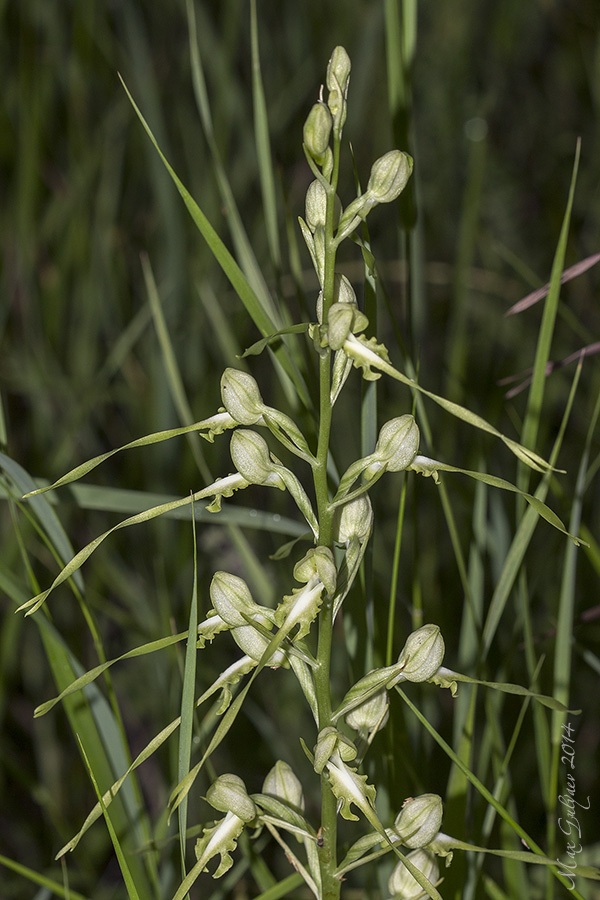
point(539, 294)
point(542, 353)
point(263, 146)
point(127, 877)
point(92, 674)
point(494, 481)
point(84, 468)
point(46, 516)
point(522, 538)
point(52, 887)
point(257, 348)
point(260, 315)
point(443, 676)
point(245, 254)
point(187, 700)
point(282, 888)
point(78, 560)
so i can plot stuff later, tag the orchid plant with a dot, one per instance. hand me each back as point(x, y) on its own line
point(297, 634)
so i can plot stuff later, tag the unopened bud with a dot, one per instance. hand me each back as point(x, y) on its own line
point(353, 520)
point(254, 643)
point(330, 741)
point(419, 820)
point(281, 782)
point(317, 131)
point(339, 324)
point(422, 654)
point(250, 455)
point(315, 205)
point(396, 447)
point(338, 69)
point(228, 794)
point(338, 76)
point(389, 176)
point(343, 292)
point(241, 396)
point(370, 714)
point(404, 886)
point(231, 598)
point(317, 561)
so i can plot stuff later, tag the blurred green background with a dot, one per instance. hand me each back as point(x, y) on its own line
point(496, 96)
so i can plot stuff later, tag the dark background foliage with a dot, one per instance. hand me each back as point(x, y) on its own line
point(500, 94)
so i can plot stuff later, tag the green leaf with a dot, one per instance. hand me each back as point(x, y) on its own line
point(256, 307)
point(223, 486)
point(444, 677)
point(127, 876)
point(257, 348)
point(425, 466)
point(370, 355)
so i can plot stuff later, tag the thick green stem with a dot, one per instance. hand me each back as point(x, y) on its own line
point(328, 851)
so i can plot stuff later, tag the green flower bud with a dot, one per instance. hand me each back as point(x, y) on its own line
point(241, 396)
point(396, 446)
point(281, 782)
point(250, 455)
point(253, 643)
point(389, 175)
point(330, 741)
point(230, 597)
point(370, 714)
point(338, 77)
point(228, 794)
point(403, 886)
point(353, 520)
point(315, 205)
point(340, 319)
point(317, 561)
point(317, 131)
point(419, 820)
point(422, 654)
point(343, 292)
